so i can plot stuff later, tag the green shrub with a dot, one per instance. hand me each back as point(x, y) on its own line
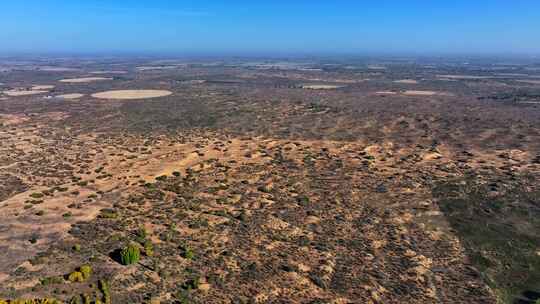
point(86, 271)
point(105, 290)
point(36, 195)
point(76, 277)
point(191, 284)
point(148, 248)
point(75, 300)
point(142, 233)
point(51, 281)
point(130, 254)
point(86, 299)
point(161, 178)
point(187, 252)
point(108, 214)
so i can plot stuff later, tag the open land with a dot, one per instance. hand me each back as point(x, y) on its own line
point(240, 181)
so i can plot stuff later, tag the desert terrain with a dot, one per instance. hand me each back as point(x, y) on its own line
point(359, 180)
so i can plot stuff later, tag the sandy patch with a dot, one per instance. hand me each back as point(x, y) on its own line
point(153, 68)
point(321, 87)
point(56, 69)
point(13, 119)
point(529, 81)
point(131, 94)
point(15, 93)
point(84, 79)
point(70, 96)
point(407, 81)
point(463, 77)
point(108, 72)
point(42, 87)
point(385, 93)
point(419, 93)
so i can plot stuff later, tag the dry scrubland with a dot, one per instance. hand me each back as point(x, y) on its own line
point(245, 185)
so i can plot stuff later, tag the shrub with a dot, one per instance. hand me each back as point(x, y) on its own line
point(105, 290)
point(148, 248)
point(161, 178)
point(76, 277)
point(86, 271)
point(75, 300)
point(86, 299)
point(188, 252)
point(130, 255)
point(142, 233)
point(191, 284)
point(51, 281)
point(108, 214)
point(36, 195)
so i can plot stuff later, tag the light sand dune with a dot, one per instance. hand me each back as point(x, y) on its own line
point(419, 93)
point(108, 72)
point(406, 81)
point(154, 68)
point(42, 87)
point(321, 87)
point(530, 81)
point(131, 94)
point(15, 93)
point(463, 77)
point(70, 96)
point(386, 93)
point(84, 79)
point(56, 69)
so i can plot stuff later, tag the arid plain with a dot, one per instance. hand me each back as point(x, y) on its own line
point(270, 181)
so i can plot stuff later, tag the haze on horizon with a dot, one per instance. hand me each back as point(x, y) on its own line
point(287, 27)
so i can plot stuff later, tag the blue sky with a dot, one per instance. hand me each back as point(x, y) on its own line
point(288, 27)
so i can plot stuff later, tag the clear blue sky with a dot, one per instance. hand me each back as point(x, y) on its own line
point(292, 26)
